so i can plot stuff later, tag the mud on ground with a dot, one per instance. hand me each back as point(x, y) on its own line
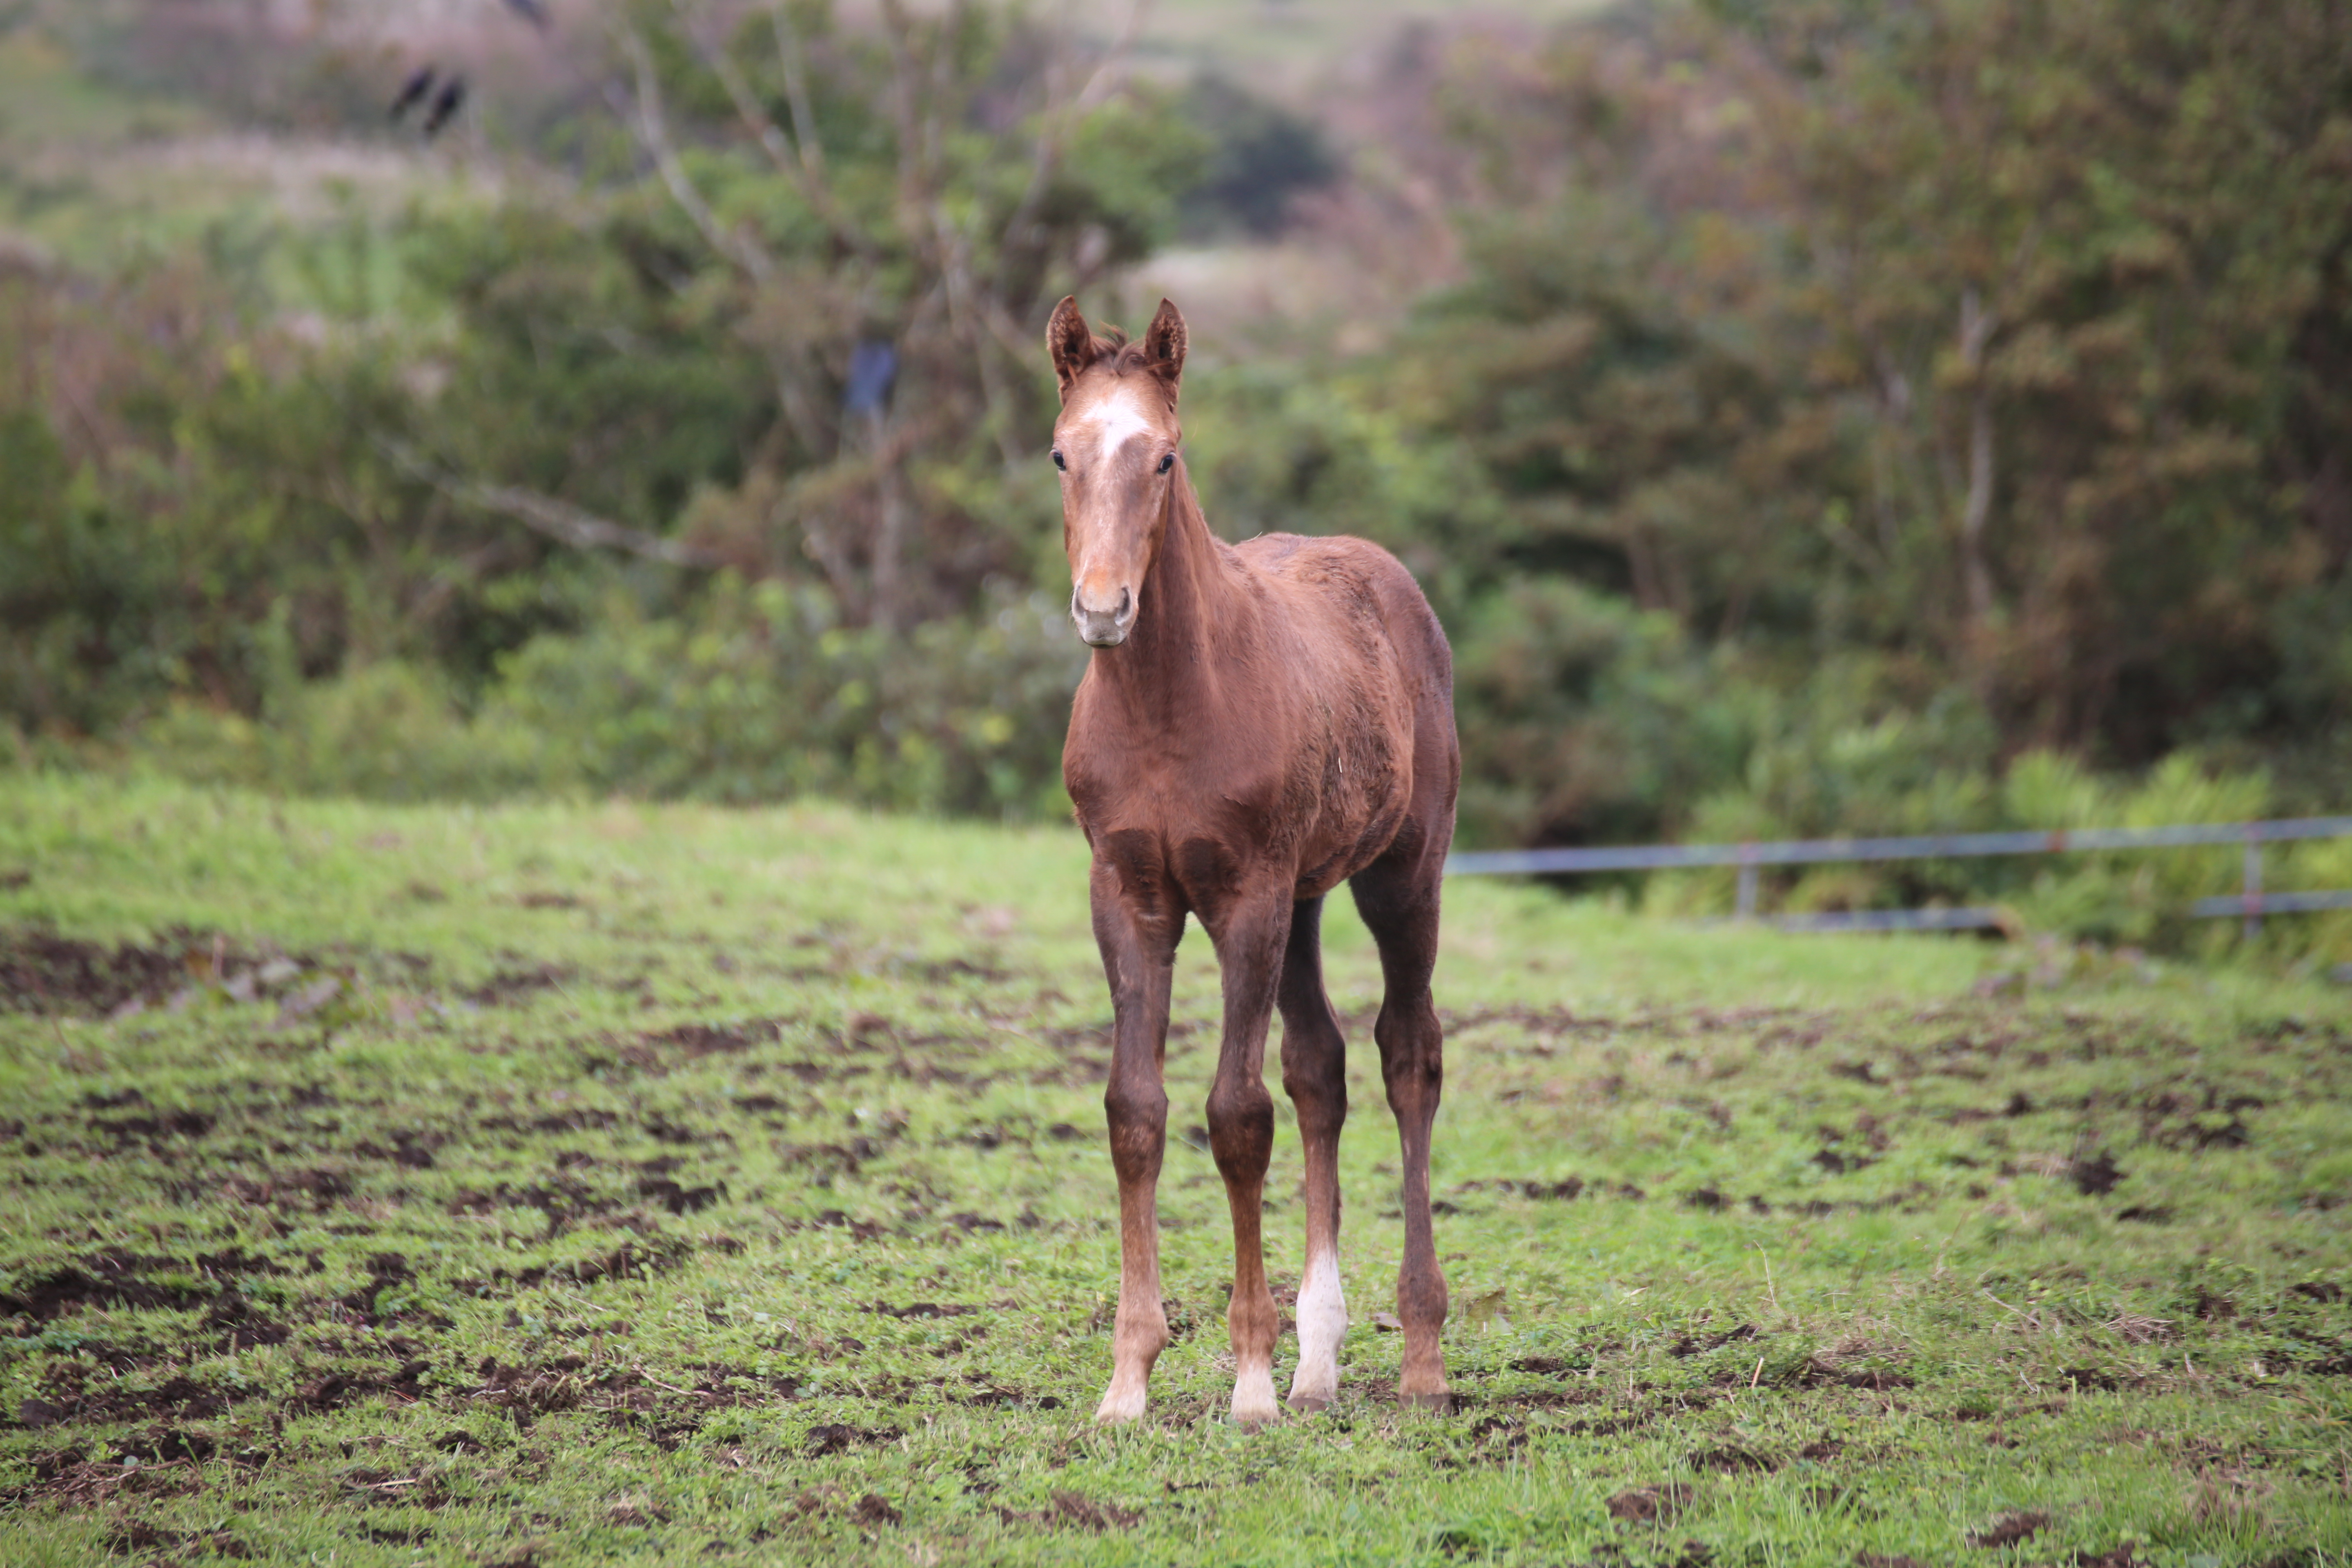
point(647, 1206)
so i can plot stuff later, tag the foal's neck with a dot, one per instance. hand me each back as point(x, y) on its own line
point(1166, 666)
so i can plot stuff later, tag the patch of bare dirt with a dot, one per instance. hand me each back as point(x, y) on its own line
point(335, 1390)
point(2009, 1529)
point(1650, 1505)
point(1069, 1511)
point(43, 972)
point(70, 1476)
point(117, 1278)
point(110, 1400)
point(301, 1190)
point(1689, 1345)
point(1565, 1190)
point(720, 1039)
point(1732, 1460)
point(505, 986)
point(678, 1198)
point(2199, 1117)
point(2094, 1175)
point(1854, 1363)
point(839, 1437)
point(140, 1537)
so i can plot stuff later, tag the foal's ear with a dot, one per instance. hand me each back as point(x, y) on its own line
point(1071, 343)
point(1163, 346)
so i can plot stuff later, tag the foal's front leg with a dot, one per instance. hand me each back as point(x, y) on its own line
point(1249, 936)
point(1137, 926)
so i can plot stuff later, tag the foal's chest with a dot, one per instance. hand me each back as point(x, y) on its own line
point(1310, 789)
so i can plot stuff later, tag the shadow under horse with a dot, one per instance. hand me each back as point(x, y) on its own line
point(1258, 723)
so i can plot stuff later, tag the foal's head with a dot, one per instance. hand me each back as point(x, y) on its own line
point(1115, 445)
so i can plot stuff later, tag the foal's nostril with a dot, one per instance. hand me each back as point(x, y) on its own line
point(1105, 626)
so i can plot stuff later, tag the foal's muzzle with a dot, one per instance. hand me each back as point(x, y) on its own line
point(1103, 628)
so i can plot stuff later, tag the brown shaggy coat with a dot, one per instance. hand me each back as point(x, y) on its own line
point(1259, 724)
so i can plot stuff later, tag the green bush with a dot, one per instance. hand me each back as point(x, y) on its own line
point(763, 698)
point(1585, 719)
point(383, 731)
point(759, 698)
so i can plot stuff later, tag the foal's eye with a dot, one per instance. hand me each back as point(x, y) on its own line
point(1167, 462)
point(1059, 462)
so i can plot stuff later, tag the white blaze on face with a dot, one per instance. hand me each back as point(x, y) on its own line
point(1109, 425)
point(1095, 445)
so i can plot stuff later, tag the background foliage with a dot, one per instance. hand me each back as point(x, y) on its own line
point(1823, 418)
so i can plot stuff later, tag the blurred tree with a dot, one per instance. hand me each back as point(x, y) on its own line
point(596, 379)
point(926, 189)
point(2080, 267)
point(1833, 401)
point(1261, 156)
point(1992, 348)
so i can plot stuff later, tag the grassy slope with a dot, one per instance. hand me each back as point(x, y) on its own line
point(102, 177)
point(1269, 40)
point(443, 1269)
point(79, 162)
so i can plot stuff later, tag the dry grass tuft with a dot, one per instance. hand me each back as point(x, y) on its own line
point(2234, 1498)
point(2137, 1329)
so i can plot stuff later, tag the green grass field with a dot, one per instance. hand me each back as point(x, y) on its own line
point(550, 1186)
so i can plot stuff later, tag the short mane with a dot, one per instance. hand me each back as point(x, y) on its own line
point(1112, 350)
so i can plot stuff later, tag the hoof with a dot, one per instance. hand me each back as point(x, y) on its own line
point(1118, 1410)
point(1254, 1405)
point(1438, 1403)
point(1253, 1413)
point(1308, 1403)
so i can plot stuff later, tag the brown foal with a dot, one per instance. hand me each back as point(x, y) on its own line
point(1258, 724)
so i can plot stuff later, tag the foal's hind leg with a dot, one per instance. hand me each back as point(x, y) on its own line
point(1398, 899)
point(1314, 1072)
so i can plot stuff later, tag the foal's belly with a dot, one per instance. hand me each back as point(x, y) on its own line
point(1354, 800)
point(1316, 880)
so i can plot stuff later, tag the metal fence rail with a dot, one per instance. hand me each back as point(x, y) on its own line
point(2251, 903)
point(1968, 919)
point(2270, 904)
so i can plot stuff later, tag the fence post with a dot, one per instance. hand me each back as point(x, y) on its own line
point(1745, 908)
point(2253, 927)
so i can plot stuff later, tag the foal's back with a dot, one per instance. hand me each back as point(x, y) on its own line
point(1373, 665)
point(1357, 604)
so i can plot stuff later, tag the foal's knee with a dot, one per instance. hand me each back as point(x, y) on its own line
point(1416, 1087)
point(1317, 1082)
point(1137, 1114)
point(1241, 1129)
point(1413, 1059)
